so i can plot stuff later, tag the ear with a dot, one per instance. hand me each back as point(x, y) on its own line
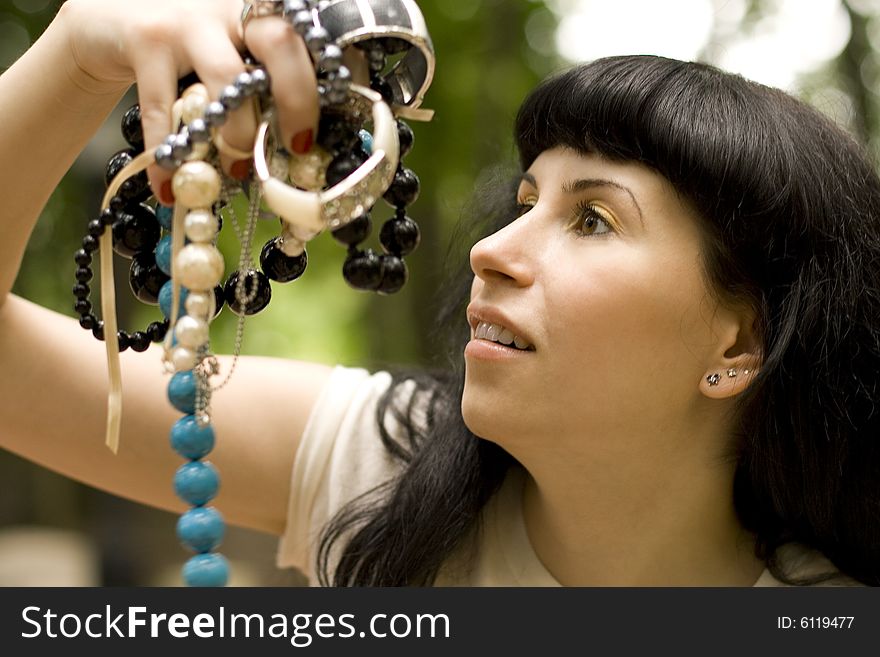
point(737, 356)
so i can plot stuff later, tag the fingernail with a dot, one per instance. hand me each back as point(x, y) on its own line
point(166, 196)
point(241, 170)
point(302, 142)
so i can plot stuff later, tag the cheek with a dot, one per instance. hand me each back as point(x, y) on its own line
point(628, 321)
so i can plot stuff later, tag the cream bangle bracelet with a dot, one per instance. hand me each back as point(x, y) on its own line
point(353, 196)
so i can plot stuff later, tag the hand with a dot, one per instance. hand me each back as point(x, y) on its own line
point(156, 42)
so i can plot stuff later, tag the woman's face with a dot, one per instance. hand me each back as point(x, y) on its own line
point(601, 275)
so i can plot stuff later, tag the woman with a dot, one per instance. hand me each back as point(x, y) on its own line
point(685, 273)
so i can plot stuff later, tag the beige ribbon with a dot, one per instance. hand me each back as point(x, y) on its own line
point(108, 303)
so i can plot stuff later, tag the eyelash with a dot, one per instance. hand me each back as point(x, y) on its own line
point(583, 211)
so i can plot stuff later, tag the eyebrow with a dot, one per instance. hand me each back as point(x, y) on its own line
point(579, 185)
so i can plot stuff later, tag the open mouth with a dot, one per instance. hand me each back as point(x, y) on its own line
point(501, 335)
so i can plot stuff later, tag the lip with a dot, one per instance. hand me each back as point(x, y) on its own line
point(477, 313)
point(492, 351)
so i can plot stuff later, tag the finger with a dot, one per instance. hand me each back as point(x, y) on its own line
point(157, 91)
point(218, 63)
point(274, 42)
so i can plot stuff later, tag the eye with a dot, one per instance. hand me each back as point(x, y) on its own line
point(589, 220)
point(523, 206)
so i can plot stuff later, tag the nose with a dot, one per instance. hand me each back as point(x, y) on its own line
point(506, 255)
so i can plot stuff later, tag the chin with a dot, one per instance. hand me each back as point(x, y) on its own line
point(485, 415)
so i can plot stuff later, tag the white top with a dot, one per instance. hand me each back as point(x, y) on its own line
point(341, 455)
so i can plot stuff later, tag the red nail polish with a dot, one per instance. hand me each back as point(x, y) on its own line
point(166, 196)
point(241, 170)
point(302, 142)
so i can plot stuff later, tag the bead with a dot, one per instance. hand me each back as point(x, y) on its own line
point(261, 80)
point(196, 482)
point(88, 322)
point(363, 270)
point(193, 107)
point(117, 204)
point(201, 305)
point(206, 570)
point(83, 274)
point(156, 330)
point(190, 440)
point(90, 244)
point(341, 81)
point(302, 22)
point(231, 97)
point(399, 237)
point(182, 392)
point(165, 295)
point(183, 359)
point(191, 332)
point(394, 274)
point(316, 38)
point(132, 130)
point(81, 291)
point(82, 307)
point(344, 165)
point(182, 147)
point(146, 278)
point(107, 218)
point(136, 188)
point(140, 341)
point(404, 190)
point(256, 290)
point(201, 226)
point(280, 267)
point(199, 266)
point(164, 158)
point(198, 130)
point(331, 58)
point(165, 215)
point(201, 529)
point(244, 82)
point(196, 185)
point(123, 341)
point(95, 228)
point(366, 142)
point(355, 232)
point(406, 137)
point(135, 230)
point(215, 114)
point(163, 255)
point(98, 330)
point(293, 6)
point(116, 163)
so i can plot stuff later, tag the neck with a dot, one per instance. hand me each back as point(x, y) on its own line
point(667, 520)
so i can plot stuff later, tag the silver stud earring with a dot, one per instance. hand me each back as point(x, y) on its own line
point(713, 379)
point(731, 373)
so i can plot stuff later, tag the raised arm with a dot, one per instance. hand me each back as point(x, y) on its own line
point(53, 393)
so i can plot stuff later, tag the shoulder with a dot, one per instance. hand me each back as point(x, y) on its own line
point(345, 452)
